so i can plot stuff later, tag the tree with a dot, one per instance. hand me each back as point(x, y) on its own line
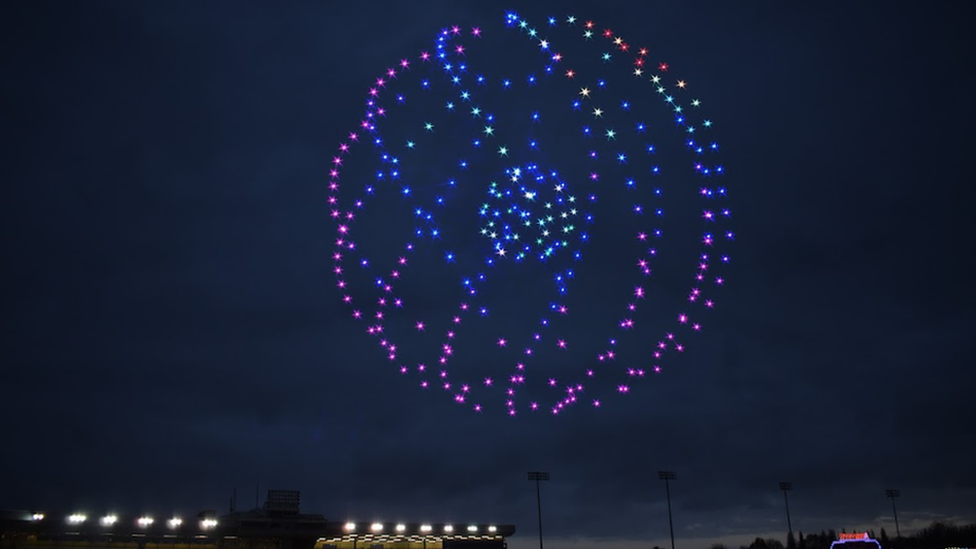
point(759, 543)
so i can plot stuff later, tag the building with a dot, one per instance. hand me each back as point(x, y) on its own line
point(279, 524)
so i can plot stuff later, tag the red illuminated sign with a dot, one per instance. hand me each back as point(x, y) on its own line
point(853, 535)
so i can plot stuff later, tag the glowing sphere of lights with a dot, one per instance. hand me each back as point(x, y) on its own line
point(500, 209)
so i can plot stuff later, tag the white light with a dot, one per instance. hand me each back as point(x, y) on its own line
point(77, 518)
point(401, 527)
point(376, 527)
point(472, 528)
point(145, 521)
point(350, 526)
point(448, 528)
point(109, 520)
point(174, 522)
point(38, 516)
point(207, 524)
point(492, 529)
point(426, 528)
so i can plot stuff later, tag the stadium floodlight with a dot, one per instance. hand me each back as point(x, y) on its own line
point(401, 527)
point(538, 476)
point(472, 528)
point(174, 522)
point(76, 518)
point(376, 527)
point(891, 493)
point(786, 487)
point(350, 527)
point(492, 529)
point(108, 520)
point(145, 522)
point(208, 524)
point(426, 528)
point(448, 528)
point(668, 476)
point(37, 516)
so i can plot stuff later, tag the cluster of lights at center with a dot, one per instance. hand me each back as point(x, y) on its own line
point(532, 213)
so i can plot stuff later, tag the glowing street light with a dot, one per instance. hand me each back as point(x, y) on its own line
point(539, 476)
point(892, 494)
point(668, 476)
point(376, 527)
point(37, 516)
point(108, 520)
point(76, 518)
point(144, 522)
point(208, 524)
point(174, 522)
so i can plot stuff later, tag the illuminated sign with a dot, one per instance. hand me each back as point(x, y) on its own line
point(856, 538)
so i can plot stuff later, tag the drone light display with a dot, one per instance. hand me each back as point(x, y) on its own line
point(505, 210)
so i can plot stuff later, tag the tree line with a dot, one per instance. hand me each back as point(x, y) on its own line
point(937, 535)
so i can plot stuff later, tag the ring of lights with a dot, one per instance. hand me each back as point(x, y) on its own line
point(535, 205)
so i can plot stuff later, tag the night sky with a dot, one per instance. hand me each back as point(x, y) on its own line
point(172, 329)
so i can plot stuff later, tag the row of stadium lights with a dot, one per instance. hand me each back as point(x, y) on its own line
point(425, 528)
point(144, 522)
point(207, 524)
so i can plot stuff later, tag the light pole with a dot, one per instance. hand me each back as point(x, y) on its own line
point(538, 476)
point(786, 487)
point(668, 476)
point(892, 494)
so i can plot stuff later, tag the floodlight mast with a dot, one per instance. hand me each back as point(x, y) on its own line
point(668, 476)
point(539, 476)
point(892, 493)
point(786, 487)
